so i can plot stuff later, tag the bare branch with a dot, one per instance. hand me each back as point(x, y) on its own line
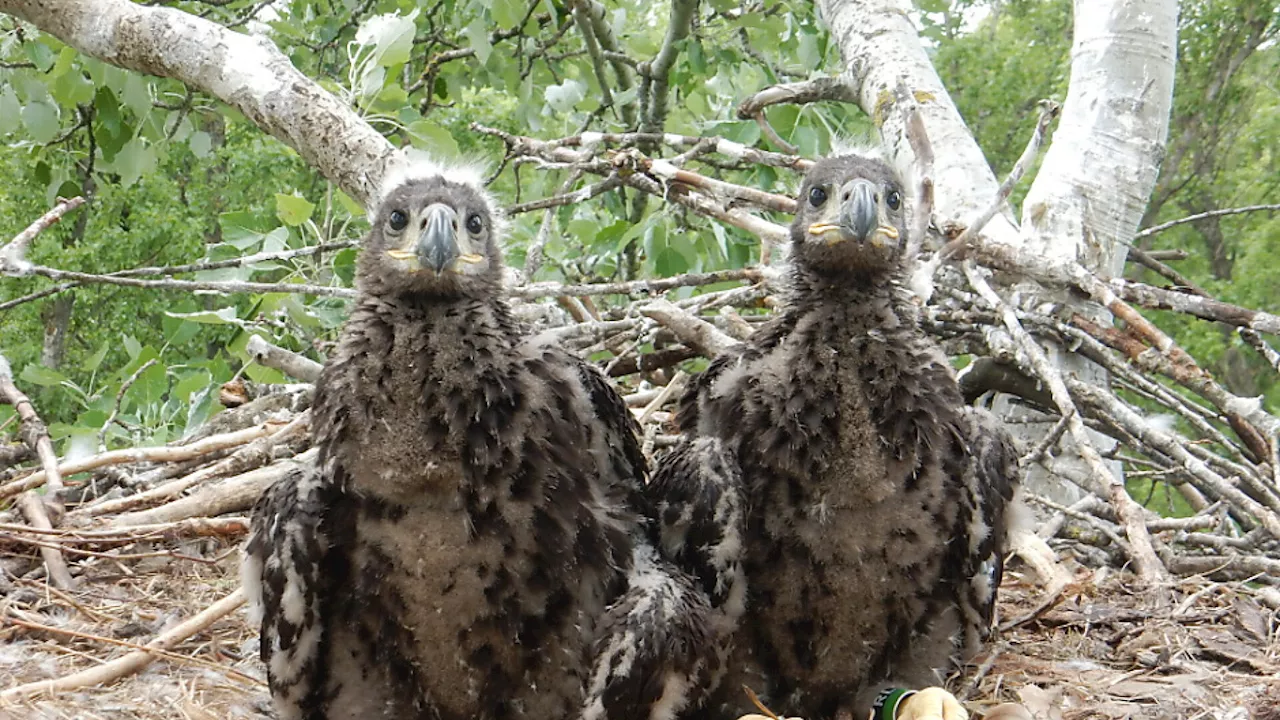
point(839, 89)
point(289, 363)
point(1204, 216)
point(1142, 549)
point(13, 256)
point(658, 71)
point(692, 330)
point(134, 661)
point(1048, 111)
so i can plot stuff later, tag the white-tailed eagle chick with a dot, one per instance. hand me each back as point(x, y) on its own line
point(832, 461)
point(471, 543)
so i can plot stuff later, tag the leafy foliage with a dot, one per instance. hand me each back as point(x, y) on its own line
point(174, 177)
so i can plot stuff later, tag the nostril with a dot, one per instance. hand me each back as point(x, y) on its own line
point(875, 197)
point(846, 196)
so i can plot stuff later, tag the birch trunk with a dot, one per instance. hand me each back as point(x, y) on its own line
point(1097, 176)
point(246, 71)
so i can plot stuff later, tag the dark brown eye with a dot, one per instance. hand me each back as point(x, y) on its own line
point(398, 220)
point(893, 199)
point(474, 224)
point(817, 196)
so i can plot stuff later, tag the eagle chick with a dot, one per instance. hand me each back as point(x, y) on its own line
point(865, 501)
point(471, 541)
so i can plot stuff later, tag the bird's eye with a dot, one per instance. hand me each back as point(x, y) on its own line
point(817, 196)
point(398, 220)
point(474, 224)
point(894, 199)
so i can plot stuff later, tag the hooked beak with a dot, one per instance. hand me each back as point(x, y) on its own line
point(858, 214)
point(858, 217)
point(438, 244)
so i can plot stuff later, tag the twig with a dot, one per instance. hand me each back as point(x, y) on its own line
point(584, 194)
point(1048, 111)
point(36, 436)
point(1146, 562)
point(657, 71)
point(177, 657)
point(837, 88)
point(150, 454)
point(773, 135)
point(134, 661)
point(695, 332)
point(216, 286)
point(13, 256)
point(640, 287)
point(287, 362)
point(255, 454)
point(234, 494)
point(115, 407)
point(1203, 216)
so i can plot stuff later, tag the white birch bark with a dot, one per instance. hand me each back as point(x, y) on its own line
point(881, 48)
point(1097, 175)
point(1093, 186)
point(246, 71)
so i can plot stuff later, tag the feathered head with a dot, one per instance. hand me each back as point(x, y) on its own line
point(851, 217)
point(434, 231)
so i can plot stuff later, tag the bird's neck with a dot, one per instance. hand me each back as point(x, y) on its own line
point(856, 302)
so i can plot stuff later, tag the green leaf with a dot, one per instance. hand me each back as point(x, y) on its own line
point(221, 316)
point(507, 13)
point(41, 119)
point(40, 54)
point(478, 39)
point(391, 36)
point(433, 138)
point(260, 374)
point(136, 95)
point(200, 143)
point(351, 206)
point(72, 88)
point(132, 346)
point(293, 210)
point(10, 110)
point(564, 96)
point(41, 375)
point(95, 360)
point(135, 159)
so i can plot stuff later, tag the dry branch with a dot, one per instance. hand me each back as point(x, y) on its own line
point(151, 454)
point(289, 363)
point(13, 256)
point(133, 662)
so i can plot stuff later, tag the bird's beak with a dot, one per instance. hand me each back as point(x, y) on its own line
point(858, 217)
point(438, 243)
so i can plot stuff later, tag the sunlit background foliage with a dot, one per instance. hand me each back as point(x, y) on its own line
point(175, 177)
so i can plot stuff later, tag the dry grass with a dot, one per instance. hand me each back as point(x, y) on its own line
point(214, 675)
point(1197, 650)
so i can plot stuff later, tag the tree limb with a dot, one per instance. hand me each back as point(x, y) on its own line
point(246, 71)
point(659, 70)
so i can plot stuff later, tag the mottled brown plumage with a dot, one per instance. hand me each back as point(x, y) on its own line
point(873, 499)
point(471, 543)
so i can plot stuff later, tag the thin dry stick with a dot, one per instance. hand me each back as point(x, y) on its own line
point(134, 661)
point(177, 657)
point(254, 454)
point(33, 506)
point(691, 329)
point(1202, 216)
point(289, 363)
point(1048, 111)
point(115, 407)
point(149, 454)
point(1146, 561)
point(13, 258)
